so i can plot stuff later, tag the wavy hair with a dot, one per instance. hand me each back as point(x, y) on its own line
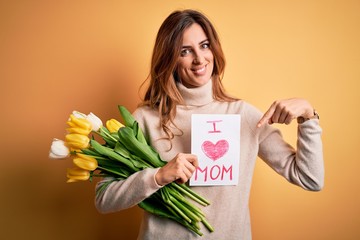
point(162, 93)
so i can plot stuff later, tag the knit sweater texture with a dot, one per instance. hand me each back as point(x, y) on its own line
point(228, 212)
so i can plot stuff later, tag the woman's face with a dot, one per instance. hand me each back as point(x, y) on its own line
point(196, 61)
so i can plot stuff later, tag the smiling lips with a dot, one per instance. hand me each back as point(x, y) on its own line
point(199, 71)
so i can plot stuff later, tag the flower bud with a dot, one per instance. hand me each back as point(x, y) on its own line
point(79, 114)
point(77, 141)
point(81, 123)
point(58, 149)
point(113, 125)
point(77, 174)
point(78, 131)
point(85, 162)
point(95, 121)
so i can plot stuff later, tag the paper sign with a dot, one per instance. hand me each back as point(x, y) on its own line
point(215, 139)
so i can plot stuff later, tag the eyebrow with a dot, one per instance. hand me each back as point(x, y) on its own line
point(202, 42)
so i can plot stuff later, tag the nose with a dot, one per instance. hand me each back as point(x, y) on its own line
point(198, 58)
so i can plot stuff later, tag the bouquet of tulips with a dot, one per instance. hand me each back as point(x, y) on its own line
point(124, 152)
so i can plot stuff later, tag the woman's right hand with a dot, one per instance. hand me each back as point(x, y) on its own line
point(179, 169)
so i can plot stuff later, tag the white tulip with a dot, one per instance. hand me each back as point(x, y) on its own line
point(95, 121)
point(58, 149)
point(79, 114)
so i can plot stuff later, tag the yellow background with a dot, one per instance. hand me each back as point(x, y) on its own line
point(57, 56)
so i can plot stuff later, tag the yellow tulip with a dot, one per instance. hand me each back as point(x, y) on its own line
point(113, 125)
point(77, 174)
point(71, 180)
point(78, 130)
point(85, 162)
point(77, 141)
point(79, 124)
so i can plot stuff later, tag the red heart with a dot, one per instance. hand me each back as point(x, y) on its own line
point(215, 151)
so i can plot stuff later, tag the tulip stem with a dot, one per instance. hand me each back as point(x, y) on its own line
point(99, 175)
point(109, 135)
point(102, 131)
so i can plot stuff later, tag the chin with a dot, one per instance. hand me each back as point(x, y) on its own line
point(196, 81)
point(204, 81)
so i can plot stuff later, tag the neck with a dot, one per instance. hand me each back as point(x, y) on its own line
point(196, 96)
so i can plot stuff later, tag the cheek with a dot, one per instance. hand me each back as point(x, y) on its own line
point(182, 66)
point(211, 56)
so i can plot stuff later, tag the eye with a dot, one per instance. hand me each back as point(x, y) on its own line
point(185, 52)
point(205, 45)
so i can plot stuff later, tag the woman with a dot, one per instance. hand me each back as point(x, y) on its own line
point(185, 78)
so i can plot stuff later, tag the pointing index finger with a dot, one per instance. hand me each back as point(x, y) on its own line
point(267, 116)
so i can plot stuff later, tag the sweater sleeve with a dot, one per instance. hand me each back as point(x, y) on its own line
point(302, 166)
point(123, 194)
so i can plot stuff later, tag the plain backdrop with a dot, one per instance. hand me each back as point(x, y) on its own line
point(59, 56)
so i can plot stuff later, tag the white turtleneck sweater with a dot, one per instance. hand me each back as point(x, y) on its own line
point(229, 211)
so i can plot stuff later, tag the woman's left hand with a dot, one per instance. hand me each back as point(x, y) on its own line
point(284, 111)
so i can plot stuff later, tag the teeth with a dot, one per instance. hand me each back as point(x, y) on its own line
point(200, 70)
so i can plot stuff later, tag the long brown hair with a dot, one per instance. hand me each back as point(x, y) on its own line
point(162, 93)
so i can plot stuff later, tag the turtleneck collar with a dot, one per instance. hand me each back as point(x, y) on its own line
point(197, 96)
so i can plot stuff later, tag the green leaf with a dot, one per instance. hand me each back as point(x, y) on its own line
point(154, 205)
point(90, 152)
point(126, 115)
point(139, 149)
point(109, 152)
point(138, 133)
point(120, 149)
